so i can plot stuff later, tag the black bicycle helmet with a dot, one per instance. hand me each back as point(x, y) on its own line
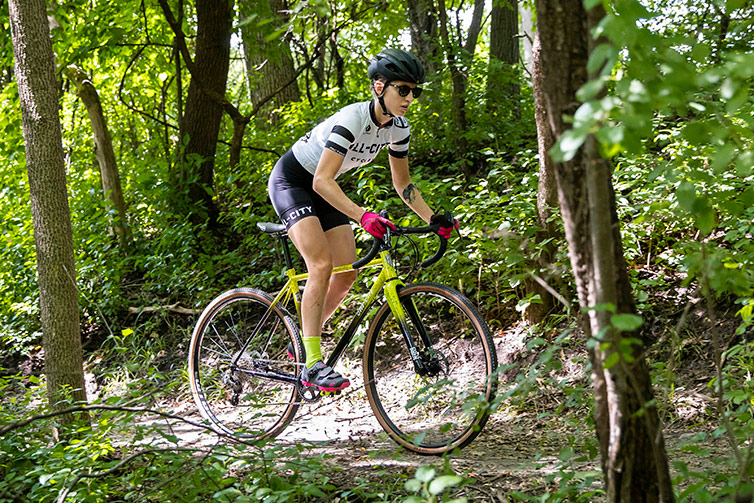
point(396, 64)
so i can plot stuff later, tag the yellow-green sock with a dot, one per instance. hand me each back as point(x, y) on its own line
point(312, 345)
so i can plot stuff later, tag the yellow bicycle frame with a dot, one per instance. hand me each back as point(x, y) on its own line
point(387, 278)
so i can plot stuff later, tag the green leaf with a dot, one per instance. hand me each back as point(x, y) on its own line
point(566, 453)
point(723, 157)
point(425, 473)
point(728, 88)
point(704, 214)
point(413, 485)
point(731, 5)
point(602, 58)
point(569, 143)
point(443, 482)
point(696, 132)
point(686, 195)
point(700, 52)
point(611, 360)
point(591, 89)
point(626, 322)
point(745, 163)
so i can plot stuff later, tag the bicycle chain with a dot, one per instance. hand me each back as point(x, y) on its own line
point(311, 411)
point(299, 388)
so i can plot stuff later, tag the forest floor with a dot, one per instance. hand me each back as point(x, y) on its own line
point(532, 444)
point(525, 447)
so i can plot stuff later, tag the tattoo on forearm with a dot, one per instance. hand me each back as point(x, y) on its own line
point(409, 193)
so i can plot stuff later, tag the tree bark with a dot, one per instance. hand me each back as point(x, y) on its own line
point(547, 195)
point(634, 462)
point(200, 126)
point(103, 149)
point(503, 52)
point(423, 26)
point(37, 88)
point(268, 62)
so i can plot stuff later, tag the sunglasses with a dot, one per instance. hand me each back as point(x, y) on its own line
point(404, 90)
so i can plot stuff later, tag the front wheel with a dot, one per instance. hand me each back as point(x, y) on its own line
point(241, 375)
point(445, 402)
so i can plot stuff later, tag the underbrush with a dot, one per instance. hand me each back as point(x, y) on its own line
point(123, 457)
point(121, 450)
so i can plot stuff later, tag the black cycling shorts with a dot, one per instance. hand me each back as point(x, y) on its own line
point(293, 197)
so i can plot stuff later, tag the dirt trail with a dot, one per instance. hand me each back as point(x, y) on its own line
point(515, 451)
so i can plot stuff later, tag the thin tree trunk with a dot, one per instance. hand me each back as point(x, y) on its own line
point(458, 82)
point(423, 26)
point(268, 62)
point(318, 70)
point(103, 149)
point(547, 195)
point(632, 450)
point(503, 53)
point(339, 62)
point(200, 126)
point(37, 88)
point(458, 54)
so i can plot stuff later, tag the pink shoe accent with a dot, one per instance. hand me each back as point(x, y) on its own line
point(327, 388)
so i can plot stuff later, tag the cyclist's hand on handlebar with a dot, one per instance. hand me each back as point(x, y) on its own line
point(376, 225)
point(445, 224)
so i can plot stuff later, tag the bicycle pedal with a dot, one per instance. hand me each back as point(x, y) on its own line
point(331, 393)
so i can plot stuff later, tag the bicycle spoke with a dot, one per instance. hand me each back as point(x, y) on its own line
point(444, 407)
point(245, 391)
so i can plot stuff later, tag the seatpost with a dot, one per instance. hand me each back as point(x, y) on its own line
point(286, 252)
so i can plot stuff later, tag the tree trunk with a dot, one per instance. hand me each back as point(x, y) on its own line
point(103, 149)
point(200, 126)
point(634, 462)
point(37, 89)
point(526, 30)
point(269, 63)
point(318, 70)
point(339, 62)
point(423, 26)
point(458, 55)
point(547, 195)
point(503, 53)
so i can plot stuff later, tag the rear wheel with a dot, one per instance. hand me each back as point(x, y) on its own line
point(251, 391)
point(445, 404)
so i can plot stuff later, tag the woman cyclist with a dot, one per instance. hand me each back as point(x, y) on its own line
point(316, 211)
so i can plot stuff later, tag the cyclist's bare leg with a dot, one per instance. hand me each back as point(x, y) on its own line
point(310, 240)
point(314, 246)
point(343, 251)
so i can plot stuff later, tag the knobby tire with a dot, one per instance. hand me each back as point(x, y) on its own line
point(434, 414)
point(239, 401)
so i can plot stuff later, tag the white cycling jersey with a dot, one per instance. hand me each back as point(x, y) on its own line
point(354, 133)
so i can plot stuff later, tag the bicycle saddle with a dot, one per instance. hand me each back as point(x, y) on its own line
point(271, 228)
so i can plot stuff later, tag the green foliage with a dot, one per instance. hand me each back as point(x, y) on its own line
point(570, 480)
point(676, 120)
point(431, 487)
point(123, 457)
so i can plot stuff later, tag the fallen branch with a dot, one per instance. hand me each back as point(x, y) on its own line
point(87, 408)
point(175, 308)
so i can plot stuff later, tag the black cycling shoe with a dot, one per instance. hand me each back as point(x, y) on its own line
point(323, 378)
